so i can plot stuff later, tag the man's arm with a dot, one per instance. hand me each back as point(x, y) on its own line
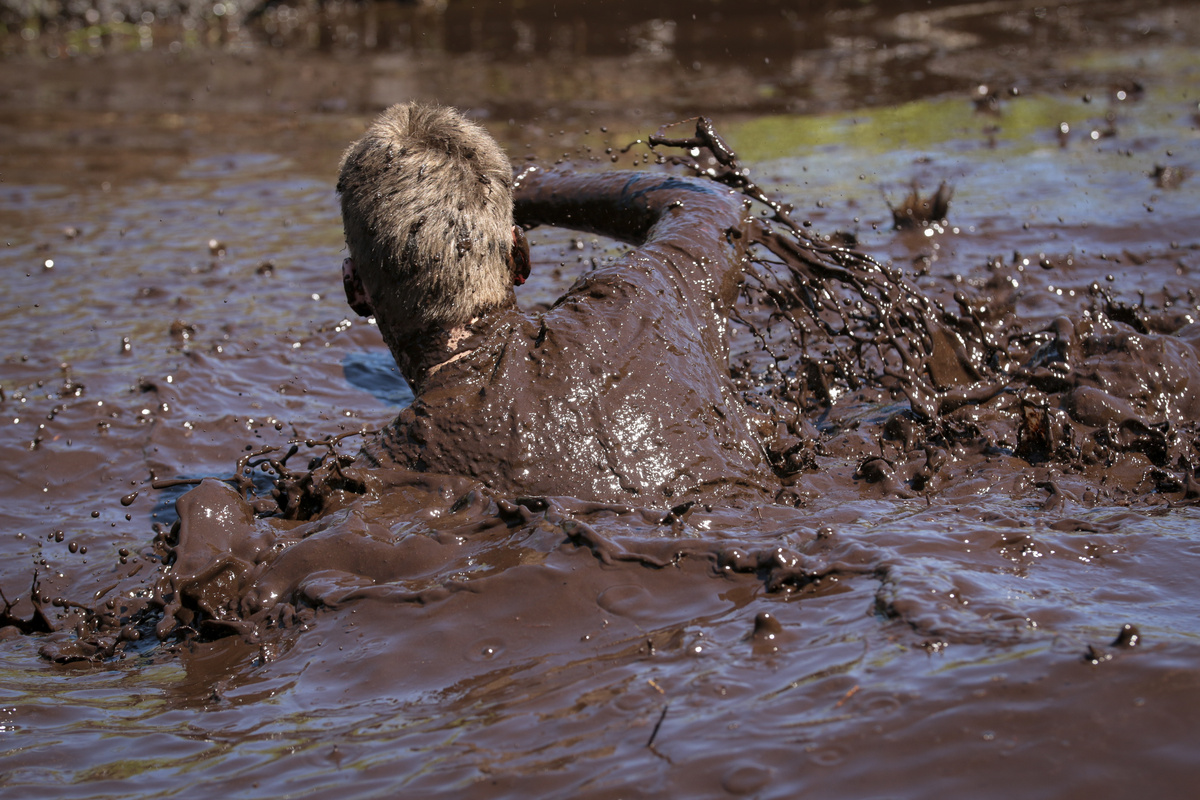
point(690, 228)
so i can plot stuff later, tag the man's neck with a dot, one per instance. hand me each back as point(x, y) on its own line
point(424, 354)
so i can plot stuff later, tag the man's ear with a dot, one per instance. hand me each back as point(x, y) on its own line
point(518, 259)
point(356, 295)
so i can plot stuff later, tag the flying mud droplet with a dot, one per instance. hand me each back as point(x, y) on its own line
point(1129, 636)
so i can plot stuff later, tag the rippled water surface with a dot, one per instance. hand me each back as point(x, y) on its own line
point(172, 299)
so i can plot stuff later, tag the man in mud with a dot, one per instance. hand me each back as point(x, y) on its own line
point(620, 392)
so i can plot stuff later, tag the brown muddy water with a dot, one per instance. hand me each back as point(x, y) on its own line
point(936, 604)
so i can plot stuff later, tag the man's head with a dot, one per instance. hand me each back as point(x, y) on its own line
point(428, 212)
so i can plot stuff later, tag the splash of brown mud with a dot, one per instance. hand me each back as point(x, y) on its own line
point(1113, 396)
point(849, 321)
point(1098, 409)
point(414, 538)
point(915, 211)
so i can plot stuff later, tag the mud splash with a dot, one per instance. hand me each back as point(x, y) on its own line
point(1104, 407)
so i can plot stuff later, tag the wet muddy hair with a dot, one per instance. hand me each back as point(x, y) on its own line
point(428, 212)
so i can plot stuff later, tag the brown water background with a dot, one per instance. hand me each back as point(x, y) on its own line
point(172, 297)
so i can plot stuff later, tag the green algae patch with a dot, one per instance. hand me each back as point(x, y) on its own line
point(1023, 123)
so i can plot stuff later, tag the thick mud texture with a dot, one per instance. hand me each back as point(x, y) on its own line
point(967, 347)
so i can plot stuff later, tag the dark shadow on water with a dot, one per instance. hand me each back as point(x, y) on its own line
point(163, 511)
point(374, 371)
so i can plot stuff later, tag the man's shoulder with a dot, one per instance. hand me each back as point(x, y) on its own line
point(631, 281)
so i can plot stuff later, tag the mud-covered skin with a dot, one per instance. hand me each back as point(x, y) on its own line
point(621, 391)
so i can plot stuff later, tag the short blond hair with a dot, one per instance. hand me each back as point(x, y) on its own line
point(427, 208)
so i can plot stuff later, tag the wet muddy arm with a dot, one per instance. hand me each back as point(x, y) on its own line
point(695, 225)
